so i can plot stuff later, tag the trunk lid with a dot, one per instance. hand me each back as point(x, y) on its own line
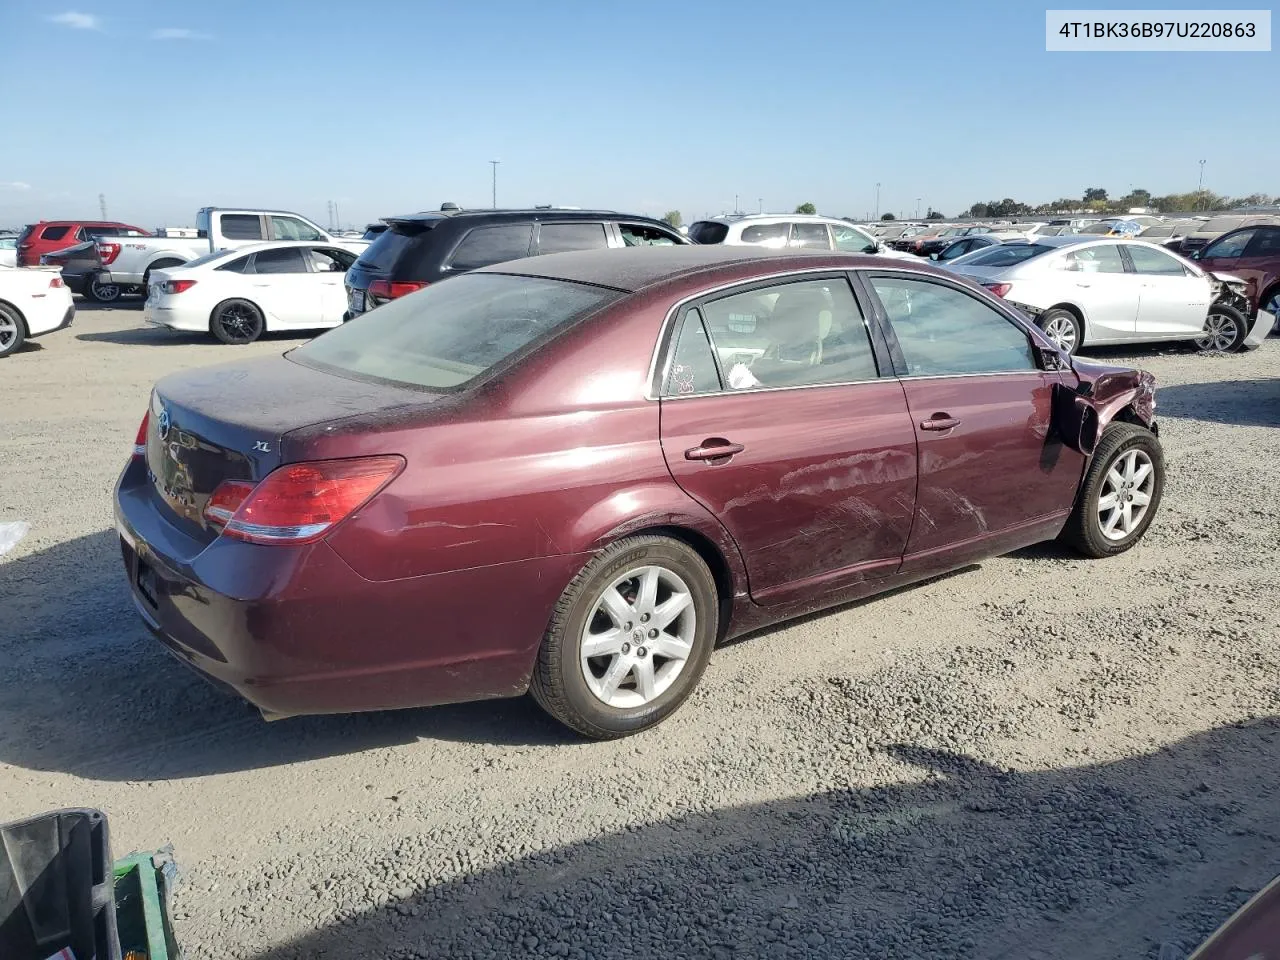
point(229, 423)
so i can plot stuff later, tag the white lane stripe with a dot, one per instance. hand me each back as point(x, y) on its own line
point(10, 534)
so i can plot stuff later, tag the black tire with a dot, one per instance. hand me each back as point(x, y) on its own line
point(558, 683)
point(1084, 529)
point(1231, 319)
point(13, 330)
point(102, 293)
point(236, 322)
point(1055, 319)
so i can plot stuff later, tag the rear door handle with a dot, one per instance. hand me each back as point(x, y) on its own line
point(713, 448)
point(939, 421)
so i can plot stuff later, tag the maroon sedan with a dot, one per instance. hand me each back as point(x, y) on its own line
point(574, 474)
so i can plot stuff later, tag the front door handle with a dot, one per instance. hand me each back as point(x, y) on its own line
point(939, 421)
point(713, 448)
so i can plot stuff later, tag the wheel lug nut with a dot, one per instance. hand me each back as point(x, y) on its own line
point(642, 652)
point(644, 618)
point(653, 634)
point(626, 648)
point(628, 625)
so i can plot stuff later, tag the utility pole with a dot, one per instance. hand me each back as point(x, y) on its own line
point(102, 205)
point(1200, 186)
point(877, 200)
point(495, 182)
point(759, 205)
point(329, 207)
point(735, 204)
point(917, 208)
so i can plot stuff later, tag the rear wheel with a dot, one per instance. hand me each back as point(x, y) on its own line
point(1063, 328)
point(629, 638)
point(1224, 329)
point(236, 322)
point(103, 292)
point(1120, 494)
point(13, 331)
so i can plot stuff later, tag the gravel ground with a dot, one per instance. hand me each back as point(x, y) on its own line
point(1037, 757)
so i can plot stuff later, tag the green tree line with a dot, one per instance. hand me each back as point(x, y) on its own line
point(1096, 200)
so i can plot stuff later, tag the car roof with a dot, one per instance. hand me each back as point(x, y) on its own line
point(634, 268)
point(534, 213)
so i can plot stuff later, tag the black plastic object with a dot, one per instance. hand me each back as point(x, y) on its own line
point(56, 887)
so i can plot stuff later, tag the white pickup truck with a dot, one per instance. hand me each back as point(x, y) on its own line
point(128, 262)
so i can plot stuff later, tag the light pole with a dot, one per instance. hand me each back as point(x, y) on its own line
point(495, 182)
point(1200, 185)
point(877, 200)
point(735, 204)
point(759, 205)
point(917, 208)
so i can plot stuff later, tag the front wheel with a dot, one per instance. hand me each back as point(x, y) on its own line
point(629, 638)
point(236, 322)
point(1224, 329)
point(100, 292)
point(1120, 493)
point(12, 330)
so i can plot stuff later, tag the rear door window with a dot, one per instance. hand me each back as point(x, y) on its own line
point(810, 236)
point(54, 233)
point(496, 244)
point(1265, 243)
point(693, 363)
point(1148, 261)
point(329, 260)
point(1102, 259)
point(772, 234)
point(288, 260)
point(564, 237)
point(242, 226)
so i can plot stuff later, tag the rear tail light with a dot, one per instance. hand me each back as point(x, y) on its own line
point(177, 286)
point(999, 289)
point(140, 441)
point(107, 252)
point(55, 282)
point(392, 289)
point(299, 502)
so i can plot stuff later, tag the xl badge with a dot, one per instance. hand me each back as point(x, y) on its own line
point(261, 446)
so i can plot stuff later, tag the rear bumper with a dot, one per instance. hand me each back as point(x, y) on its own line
point(295, 630)
point(1263, 324)
point(52, 315)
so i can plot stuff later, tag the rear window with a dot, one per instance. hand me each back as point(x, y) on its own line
point(1006, 255)
point(708, 231)
point(766, 233)
point(385, 251)
point(241, 226)
point(54, 233)
point(564, 237)
point(450, 333)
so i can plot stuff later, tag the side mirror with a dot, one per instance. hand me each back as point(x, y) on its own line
point(1196, 254)
point(933, 256)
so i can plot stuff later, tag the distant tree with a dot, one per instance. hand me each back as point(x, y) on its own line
point(887, 216)
point(808, 208)
point(673, 217)
point(977, 210)
point(934, 215)
point(1092, 194)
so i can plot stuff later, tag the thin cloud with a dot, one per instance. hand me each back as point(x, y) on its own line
point(78, 21)
point(14, 185)
point(178, 33)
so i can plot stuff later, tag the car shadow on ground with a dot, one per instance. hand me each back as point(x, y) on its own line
point(1133, 858)
point(87, 690)
point(163, 337)
point(1243, 403)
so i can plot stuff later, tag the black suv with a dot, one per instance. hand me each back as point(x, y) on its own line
point(423, 248)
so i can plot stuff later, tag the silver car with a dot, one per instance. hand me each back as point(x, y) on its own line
point(1084, 291)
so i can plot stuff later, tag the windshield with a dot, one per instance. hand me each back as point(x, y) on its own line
point(708, 231)
point(452, 332)
point(1102, 229)
point(1006, 255)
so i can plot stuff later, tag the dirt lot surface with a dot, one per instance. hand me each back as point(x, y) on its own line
point(1039, 757)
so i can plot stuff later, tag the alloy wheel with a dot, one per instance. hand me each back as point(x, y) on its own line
point(8, 331)
point(106, 292)
point(1220, 332)
point(238, 321)
point(638, 637)
point(1062, 332)
point(1126, 494)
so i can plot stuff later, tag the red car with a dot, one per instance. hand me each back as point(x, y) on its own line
point(47, 236)
point(1253, 255)
point(574, 474)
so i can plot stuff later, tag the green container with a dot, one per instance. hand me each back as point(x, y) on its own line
point(142, 883)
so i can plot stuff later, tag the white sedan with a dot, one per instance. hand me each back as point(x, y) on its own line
point(1083, 291)
point(33, 301)
point(237, 295)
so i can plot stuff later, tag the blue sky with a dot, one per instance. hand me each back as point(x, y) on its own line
point(390, 106)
